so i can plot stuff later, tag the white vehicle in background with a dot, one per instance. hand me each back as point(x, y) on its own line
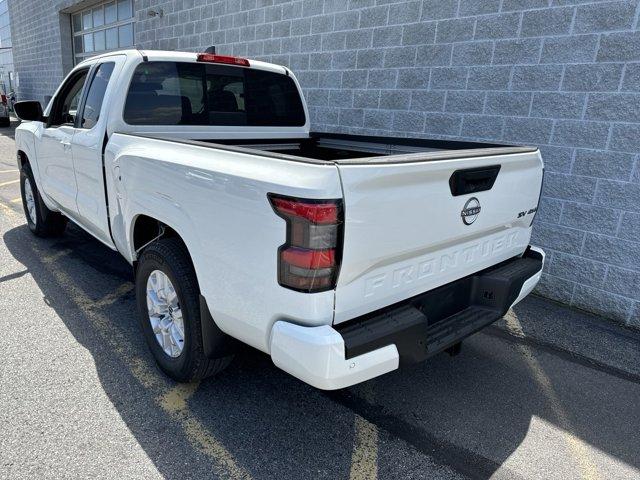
point(5, 120)
point(341, 256)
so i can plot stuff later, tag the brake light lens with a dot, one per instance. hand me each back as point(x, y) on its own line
point(326, 213)
point(227, 59)
point(309, 261)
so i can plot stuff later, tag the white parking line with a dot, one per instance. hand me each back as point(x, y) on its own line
point(9, 183)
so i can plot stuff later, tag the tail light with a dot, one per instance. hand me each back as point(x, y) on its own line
point(309, 261)
point(3, 99)
point(229, 60)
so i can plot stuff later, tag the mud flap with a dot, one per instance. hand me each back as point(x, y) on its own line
point(216, 343)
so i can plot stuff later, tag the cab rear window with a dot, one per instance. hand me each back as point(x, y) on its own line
point(180, 93)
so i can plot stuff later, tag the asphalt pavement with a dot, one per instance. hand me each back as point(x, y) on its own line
point(548, 392)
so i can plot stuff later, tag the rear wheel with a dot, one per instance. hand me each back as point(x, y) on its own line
point(168, 303)
point(42, 221)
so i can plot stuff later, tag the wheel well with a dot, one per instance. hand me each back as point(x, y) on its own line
point(147, 229)
point(22, 159)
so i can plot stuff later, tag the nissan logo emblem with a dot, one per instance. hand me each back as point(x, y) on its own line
point(470, 211)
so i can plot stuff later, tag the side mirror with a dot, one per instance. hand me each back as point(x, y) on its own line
point(29, 110)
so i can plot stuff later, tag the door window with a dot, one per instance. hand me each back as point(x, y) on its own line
point(93, 104)
point(65, 106)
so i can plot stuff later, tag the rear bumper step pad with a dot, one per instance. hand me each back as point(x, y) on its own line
point(430, 323)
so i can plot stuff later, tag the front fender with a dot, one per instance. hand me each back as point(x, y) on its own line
point(25, 137)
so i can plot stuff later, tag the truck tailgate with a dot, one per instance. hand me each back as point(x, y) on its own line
point(420, 222)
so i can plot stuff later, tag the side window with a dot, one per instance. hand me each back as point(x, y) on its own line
point(97, 89)
point(65, 106)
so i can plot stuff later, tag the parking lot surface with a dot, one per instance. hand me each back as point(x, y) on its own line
point(546, 393)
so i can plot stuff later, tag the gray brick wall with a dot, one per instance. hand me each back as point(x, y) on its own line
point(41, 37)
point(560, 74)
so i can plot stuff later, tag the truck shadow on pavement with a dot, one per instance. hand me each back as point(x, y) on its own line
point(495, 407)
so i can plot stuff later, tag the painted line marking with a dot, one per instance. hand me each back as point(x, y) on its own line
point(16, 200)
point(49, 258)
point(114, 296)
point(364, 457)
point(577, 446)
point(8, 210)
point(563, 353)
point(5, 208)
point(9, 183)
point(172, 401)
point(9, 171)
point(175, 403)
point(11, 212)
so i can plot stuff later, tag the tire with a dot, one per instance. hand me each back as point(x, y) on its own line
point(5, 122)
point(42, 221)
point(170, 257)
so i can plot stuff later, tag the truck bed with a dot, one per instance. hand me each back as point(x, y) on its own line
point(354, 149)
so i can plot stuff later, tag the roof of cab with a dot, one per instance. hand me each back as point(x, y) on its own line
point(171, 56)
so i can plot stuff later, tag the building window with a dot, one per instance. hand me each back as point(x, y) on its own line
point(103, 28)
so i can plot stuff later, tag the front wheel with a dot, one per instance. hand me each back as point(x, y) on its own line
point(168, 295)
point(42, 221)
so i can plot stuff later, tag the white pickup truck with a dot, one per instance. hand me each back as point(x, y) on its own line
point(341, 256)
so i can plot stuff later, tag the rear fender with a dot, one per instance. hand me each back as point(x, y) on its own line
point(217, 201)
point(166, 215)
point(216, 343)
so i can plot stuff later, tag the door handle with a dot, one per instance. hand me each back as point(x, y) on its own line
point(65, 144)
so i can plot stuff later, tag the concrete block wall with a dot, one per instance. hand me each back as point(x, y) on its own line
point(42, 51)
point(560, 74)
